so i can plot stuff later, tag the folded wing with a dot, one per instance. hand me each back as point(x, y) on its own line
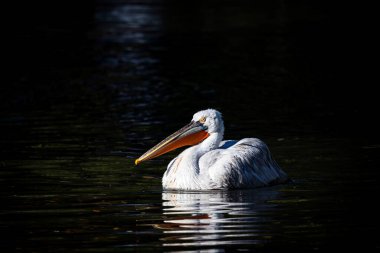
point(247, 163)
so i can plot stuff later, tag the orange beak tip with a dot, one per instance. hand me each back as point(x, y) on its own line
point(137, 161)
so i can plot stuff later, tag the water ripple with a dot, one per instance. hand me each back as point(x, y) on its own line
point(216, 217)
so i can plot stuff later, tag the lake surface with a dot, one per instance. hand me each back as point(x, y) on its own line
point(87, 100)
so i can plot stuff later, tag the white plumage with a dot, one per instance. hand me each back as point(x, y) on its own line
point(213, 163)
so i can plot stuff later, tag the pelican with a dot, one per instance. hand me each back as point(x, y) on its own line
point(211, 163)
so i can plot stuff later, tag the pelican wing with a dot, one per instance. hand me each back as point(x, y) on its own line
point(244, 164)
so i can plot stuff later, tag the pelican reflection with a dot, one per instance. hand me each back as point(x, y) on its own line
point(217, 217)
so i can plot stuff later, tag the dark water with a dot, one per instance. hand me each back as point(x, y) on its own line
point(91, 93)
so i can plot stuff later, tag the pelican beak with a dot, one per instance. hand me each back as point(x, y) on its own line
point(191, 134)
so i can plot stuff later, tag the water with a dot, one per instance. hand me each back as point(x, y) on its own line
point(72, 128)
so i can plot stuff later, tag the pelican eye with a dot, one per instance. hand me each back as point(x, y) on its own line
point(202, 120)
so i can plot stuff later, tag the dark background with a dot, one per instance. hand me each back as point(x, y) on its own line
point(327, 55)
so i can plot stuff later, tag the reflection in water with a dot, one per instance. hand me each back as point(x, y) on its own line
point(127, 44)
point(141, 22)
point(216, 217)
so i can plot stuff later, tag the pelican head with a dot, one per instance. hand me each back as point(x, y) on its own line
point(212, 119)
point(203, 124)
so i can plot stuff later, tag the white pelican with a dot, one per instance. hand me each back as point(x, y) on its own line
point(212, 163)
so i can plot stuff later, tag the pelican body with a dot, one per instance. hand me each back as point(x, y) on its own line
point(210, 162)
